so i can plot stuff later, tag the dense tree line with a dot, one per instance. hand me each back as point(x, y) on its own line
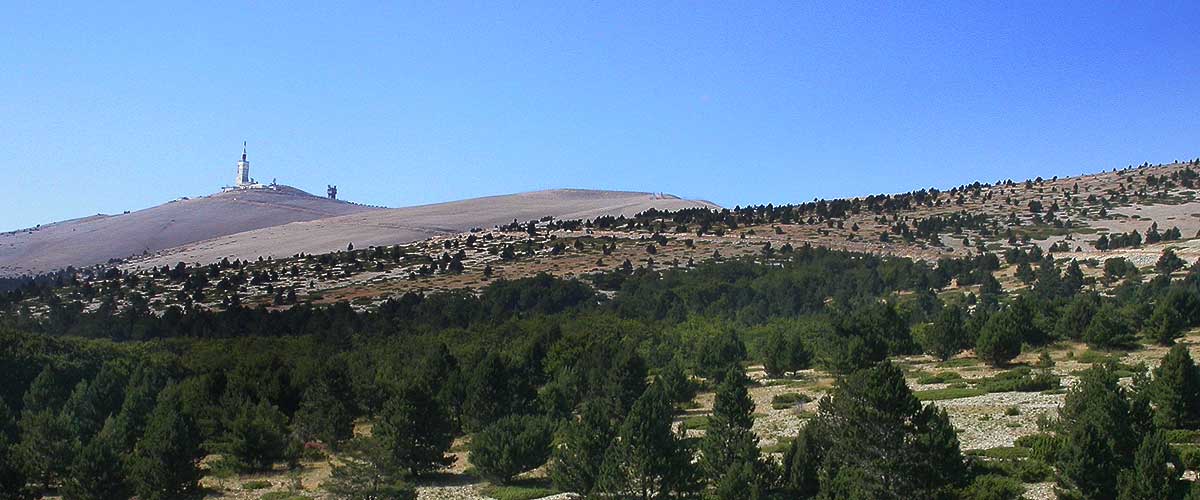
point(540, 371)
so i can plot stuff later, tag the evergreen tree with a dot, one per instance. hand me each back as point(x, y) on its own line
point(802, 465)
point(1108, 329)
point(1075, 318)
point(1166, 324)
point(96, 473)
point(415, 432)
point(256, 437)
point(365, 473)
point(648, 460)
point(46, 392)
point(48, 444)
point(946, 336)
point(883, 443)
point(676, 383)
point(1168, 262)
point(1000, 339)
point(12, 477)
point(729, 454)
point(140, 399)
point(1175, 391)
point(487, 396)
point(1072, 279)
point(624, 381)
point(322, 416)
point(510, 446)
point(576, 460)
point(1086, 466)
point(718, 352)
point(1155, 473)
point(1099, 439)
point(784, 352)
point(164, 463)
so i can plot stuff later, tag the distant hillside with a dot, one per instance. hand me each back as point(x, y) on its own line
point(96, 239)
point(405, 225)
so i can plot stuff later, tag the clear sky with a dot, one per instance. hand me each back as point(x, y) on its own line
point(112, 106)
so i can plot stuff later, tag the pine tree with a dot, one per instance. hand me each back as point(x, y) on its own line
point(883, 443)
point(364, 473)
point(802, 465)
point(946, 336)
point(48, 443)
point(1075, 318)
point(784, 352)
point(322, 416)
point(510, 446)
point(1176, 390)
point(164, 463)
point(1166, 324)
point(415, 431)
point(576, 460)
point(1108, 329)
point(1155, 473)
point(12, 475)
point(486, 398)
point(96, 473)
point(139, 402)
point(256, 437)
point(1000, 339)
point(732, 411)
point(1085, 464)
point(648, 460)
point(1099, 439)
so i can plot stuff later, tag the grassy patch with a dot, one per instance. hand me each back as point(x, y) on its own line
point(256, 485)
point(960, 362)
point(518, 492)
point(1003, 452)
point(695, 423)
point(949, 393)
point(939, 378)
point(1089, 356)
point(284, 495)
point(1183, 436)
point(780, 446)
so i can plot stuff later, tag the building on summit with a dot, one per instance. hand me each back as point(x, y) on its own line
point(243, 180)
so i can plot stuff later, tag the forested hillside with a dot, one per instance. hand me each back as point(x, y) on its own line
point(785, 370)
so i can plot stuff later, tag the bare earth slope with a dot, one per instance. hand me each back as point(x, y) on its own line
point(96, 239)
point(405, 225)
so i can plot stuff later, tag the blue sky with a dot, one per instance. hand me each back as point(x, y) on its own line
point(105, 108)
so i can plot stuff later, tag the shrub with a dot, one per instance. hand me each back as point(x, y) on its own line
point(1189, 456)
point(256, 485)
point(517, 492)
point(1041, 446)
point(938, 378)
point(1183, 436)
point(993, 487)
point(510, 446)
point(788, 400)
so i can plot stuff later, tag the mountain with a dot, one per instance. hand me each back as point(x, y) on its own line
point(405, 225)
point(96, 239)
point(246, 224)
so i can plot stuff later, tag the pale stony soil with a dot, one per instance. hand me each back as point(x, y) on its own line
point(405, 225)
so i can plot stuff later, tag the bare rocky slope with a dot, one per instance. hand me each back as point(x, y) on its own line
point(406, 225)
point(96, 239)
